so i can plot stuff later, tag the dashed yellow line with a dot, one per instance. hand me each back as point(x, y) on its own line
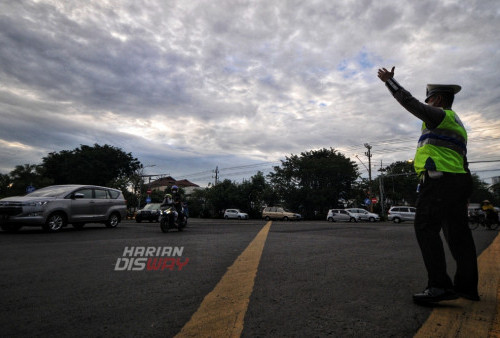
point(464, 318)
point(222, 312)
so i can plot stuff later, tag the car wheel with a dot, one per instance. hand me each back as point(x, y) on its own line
point(55, 222)
point(268, 218)
point(285, 219)
point(372, 219)
point(113, 220)
point(352, 219)
point(78, 226)
point(397, 220)
point(226, 217)
point(239, 217)
point(11, 227)
point(330, 219)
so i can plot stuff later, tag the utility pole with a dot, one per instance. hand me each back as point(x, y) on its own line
point(216, 175)
point(369, 154)
point(381, 187)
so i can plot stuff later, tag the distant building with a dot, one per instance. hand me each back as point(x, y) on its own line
point(163, 183)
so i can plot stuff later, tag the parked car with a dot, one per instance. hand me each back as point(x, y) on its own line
point(341, 215)
point(150, 212)
point(401, 213)
point(279, 213)
point(364, 215)
point(55, 206)
point(235, 213)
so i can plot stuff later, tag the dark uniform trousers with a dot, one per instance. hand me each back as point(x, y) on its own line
point(442, 204)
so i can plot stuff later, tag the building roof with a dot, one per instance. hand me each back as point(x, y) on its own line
point(170, 181)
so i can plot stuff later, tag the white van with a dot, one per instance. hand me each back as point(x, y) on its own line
point(399, 214)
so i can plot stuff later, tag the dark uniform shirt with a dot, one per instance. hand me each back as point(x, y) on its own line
point(432, 116)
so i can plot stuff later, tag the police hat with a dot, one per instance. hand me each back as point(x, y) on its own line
point(441, 88)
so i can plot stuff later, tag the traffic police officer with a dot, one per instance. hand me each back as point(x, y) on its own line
point(445, 185)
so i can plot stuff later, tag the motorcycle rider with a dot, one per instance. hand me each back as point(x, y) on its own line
point(489, 210)
point(168, 202)
point(177, 198)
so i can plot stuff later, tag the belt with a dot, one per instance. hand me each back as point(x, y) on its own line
point(434, 174)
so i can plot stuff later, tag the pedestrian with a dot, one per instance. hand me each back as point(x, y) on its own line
point(445, 186)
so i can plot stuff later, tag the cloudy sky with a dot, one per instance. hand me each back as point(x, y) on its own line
point(188, 86)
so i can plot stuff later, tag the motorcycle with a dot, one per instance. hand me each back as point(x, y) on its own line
point(169, 219)
point(479, 218)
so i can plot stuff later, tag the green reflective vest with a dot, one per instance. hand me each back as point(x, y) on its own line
point(443, 148)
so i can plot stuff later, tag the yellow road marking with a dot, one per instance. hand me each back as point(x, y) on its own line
point(464, 318)
point(222, 311)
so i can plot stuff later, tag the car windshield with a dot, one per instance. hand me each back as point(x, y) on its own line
point(152, 206)
point(51, 191)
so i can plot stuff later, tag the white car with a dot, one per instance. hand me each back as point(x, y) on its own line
point(341, 215)
point(235, 213)
point(364, 215)
point(398, 214)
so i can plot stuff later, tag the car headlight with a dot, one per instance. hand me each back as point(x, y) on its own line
point(37, 204)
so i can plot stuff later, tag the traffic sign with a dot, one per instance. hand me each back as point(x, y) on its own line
point(374, 200)
point(148, 199)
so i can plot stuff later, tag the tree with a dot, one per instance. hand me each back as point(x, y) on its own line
point(5, 185)
point(480, 191)
point(248, 196)
point(314, 181)
point(99, 165)
point(254, 191)
point(400, 183)
point(224, 195)
point(26, 175)
point(198, 203)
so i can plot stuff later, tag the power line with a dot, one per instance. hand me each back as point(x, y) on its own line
point(387, 146)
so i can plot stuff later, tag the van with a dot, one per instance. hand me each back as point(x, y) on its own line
point(401, 213)
point(280, 213)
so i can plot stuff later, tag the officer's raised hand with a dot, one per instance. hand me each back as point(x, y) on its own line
point(384, 74)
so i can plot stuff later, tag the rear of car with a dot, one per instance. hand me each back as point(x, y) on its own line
point(399, 214)
point(364, 215)
point(56, 206)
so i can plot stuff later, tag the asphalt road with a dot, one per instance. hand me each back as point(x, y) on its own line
point(314, 279)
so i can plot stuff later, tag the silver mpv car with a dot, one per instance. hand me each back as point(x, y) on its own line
point(55, 206)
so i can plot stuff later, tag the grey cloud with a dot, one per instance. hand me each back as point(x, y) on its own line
point(246, 78)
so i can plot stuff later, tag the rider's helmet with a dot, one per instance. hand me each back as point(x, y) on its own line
point(175, 189)
point(486, 202)
point(168, 199)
